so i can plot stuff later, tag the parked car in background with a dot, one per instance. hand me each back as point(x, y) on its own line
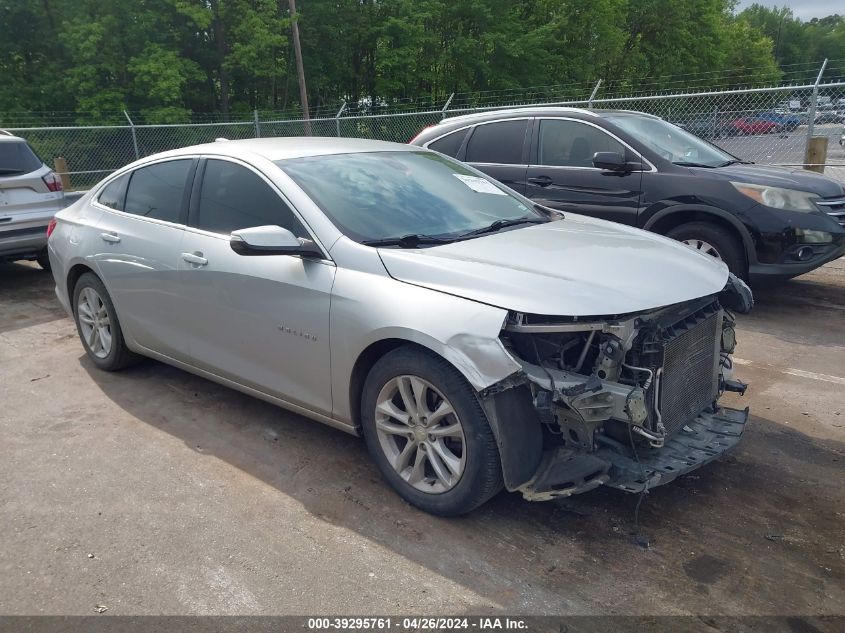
point(30, 194)
point(829, 116)
point(476, 339)
point(708, 127)
point(747, 126)
point(786, 121)
point(634, 168)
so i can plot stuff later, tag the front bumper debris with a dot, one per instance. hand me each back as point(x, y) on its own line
point(566, 472)
point(704, 439)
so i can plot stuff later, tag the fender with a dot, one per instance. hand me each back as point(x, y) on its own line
point(747, 240)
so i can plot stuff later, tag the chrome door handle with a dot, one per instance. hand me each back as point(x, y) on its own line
point(195, 258)
point(110, 236)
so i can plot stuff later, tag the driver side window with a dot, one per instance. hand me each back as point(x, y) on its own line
point(233, 197)
point(565, 143)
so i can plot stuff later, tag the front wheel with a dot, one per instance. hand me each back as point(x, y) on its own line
point(427, 433)
point(715, 241)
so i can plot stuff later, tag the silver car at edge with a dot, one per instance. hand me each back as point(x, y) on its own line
point(475, 339)
point(30, 194)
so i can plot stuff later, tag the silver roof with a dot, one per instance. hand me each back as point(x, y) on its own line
point(293, 147)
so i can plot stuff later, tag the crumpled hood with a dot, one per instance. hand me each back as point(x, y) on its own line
point(578, 266)
point(786, 177)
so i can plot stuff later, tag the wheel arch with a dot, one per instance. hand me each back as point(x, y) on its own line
point(664, 221)
point(73, 274)
point(376, 350)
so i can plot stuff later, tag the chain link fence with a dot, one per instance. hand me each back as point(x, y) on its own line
point(770, 125)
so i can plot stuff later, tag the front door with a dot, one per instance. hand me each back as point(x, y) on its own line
point(261, 321)
point(562, 176)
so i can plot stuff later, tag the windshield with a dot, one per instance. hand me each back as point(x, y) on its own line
point(671, 142)
point(383, 195)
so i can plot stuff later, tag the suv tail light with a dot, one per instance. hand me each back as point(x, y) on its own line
point(51, 226)
point(53, 182)
point(427, 127)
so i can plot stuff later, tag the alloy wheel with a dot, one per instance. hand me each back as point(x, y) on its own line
point(94, 322)
point(420, 434)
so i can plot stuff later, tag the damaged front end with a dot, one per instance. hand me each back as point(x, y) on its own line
point(628, 401)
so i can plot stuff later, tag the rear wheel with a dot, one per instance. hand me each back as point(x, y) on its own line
point(43, 260)
point(428, 434)
point(712, 239)
point(98, 327)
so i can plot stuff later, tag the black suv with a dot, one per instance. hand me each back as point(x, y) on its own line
point(763, 222)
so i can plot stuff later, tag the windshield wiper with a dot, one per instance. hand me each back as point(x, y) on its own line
point(501, 224)
point(735, 161)
point(407, 241)
point(682, 163)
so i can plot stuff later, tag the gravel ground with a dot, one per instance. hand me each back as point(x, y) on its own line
point(152, 491)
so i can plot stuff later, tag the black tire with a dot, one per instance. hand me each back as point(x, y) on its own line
point(44, 260)
point(482, 475)
point(119, 355)
point(726, 243)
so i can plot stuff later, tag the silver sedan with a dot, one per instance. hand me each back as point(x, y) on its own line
point(475, 339)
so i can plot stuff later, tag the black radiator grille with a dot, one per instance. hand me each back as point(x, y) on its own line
point(688, 383)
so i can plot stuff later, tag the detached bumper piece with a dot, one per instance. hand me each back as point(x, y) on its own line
point(566, 472)
point(704, 439)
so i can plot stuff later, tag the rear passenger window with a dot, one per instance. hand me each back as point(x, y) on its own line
point(112, 194)
point(233, 197)
point(499, 142)
point(156, 191)
point(449, 144)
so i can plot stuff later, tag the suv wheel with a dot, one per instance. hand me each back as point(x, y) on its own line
point(98, 327)
point(428, 434)
point(715, 241)
point(43, 260)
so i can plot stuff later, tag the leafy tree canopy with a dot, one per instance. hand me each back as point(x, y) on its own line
point(167, 60)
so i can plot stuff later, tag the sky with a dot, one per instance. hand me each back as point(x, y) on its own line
point(804, 9)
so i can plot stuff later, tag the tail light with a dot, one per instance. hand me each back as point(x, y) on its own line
point(51, 226)
point(53, 182)
point(427, 127)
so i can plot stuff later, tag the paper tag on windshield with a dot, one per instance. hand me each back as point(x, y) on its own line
point(479, 184)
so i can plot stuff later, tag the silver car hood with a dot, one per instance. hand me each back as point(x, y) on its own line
point(577, 266)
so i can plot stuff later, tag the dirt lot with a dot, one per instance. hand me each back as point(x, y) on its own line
point(155, 492)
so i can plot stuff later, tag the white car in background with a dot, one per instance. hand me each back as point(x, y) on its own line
point(30, 195)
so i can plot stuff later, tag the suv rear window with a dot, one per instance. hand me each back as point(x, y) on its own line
point(16, 157)
point(449, 144)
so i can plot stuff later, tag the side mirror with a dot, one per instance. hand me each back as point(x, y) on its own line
point(271, 240)
point(614, 161)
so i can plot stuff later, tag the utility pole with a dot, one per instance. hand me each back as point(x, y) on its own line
point(300, 70)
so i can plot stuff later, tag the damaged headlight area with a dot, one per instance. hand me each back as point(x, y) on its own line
point(628, 401)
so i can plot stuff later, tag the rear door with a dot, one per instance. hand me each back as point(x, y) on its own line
point(261, 321)
point(562, 176)
point(139, 236)
point(500, 150)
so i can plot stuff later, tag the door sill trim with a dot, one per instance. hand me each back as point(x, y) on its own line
point(250, 391)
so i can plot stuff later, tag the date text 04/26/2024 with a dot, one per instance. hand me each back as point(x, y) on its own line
point(481, 623)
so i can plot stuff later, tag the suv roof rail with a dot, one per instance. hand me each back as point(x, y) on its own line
point(519, 110)
point(6, 132)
